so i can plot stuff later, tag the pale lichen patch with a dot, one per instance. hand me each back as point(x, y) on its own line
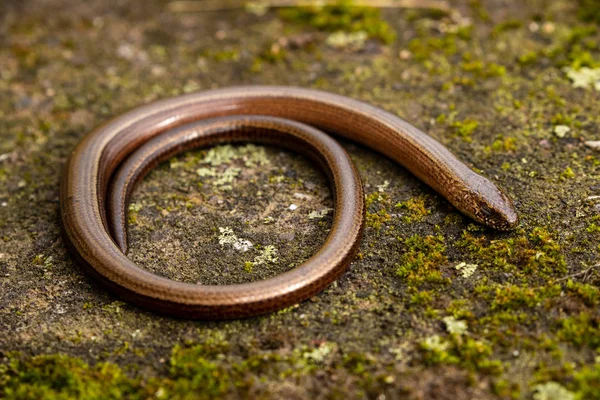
point(349, 41)
point(455, 326)
point(226, 178)
point(466, 270)
point(552, 391)
point(435, 343)
point(228, 237)
point(585, 77)
point(561, 130)
point(268, 255)
point(319, 214)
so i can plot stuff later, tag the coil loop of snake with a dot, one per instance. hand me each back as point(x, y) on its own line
point(103, 169)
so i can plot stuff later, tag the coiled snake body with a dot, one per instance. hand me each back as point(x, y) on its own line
point(94, 195)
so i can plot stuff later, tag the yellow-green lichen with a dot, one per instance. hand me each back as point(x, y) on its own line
point(268, 255)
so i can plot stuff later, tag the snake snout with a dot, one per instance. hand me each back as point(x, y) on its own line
point(497, 209)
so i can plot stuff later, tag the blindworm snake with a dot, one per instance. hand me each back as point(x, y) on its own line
point(173, 125)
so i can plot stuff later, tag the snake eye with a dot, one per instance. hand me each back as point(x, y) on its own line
point(486, 211)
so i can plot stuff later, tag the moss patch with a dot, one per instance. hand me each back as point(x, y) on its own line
point(343, 15)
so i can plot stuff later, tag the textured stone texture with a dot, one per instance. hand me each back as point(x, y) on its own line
point(487, 80)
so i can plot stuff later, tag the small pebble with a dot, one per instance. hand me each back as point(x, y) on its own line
point(593, 144)
point(302, 196)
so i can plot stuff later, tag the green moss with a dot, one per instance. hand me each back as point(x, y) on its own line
point(588, 293)
point(580, 330)
point(132, 213)
point(343, 15)
point(196, 371)
point(193, 374)
point(528, 58)
point(592, 160)
point(505, 317)
point(580, 58)
point(63, 377)
point(475, 355)
point(221, 55)
point(248, 266)
point(589, 10)
point(561, 119)
point(377, 215)
point(357, 363)
point(587, 382)
point(376, 220)
point(553, 372)
point(422, 259)
point(479, 10)
point(421, 298)
point(460, 309)
point(578, 33)
point(575, 49)
point(432, 14)
point(506, 389)
point(464, 128)
point(469, 353)
point(508, 25)
point(423, 48)
point(537, 253)
point(483, 69)
point(593, 228)
point(373, 198)
point(436, 350)
point(514, 297)
point(568, 173)
point(503, 144)
point(272, 54)
point(416, 209)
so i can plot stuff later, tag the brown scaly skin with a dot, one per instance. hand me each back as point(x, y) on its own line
point(96, 158)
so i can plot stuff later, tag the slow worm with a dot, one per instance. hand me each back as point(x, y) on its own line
point(85, 197)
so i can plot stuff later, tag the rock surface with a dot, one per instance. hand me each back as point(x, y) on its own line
point(434, 306)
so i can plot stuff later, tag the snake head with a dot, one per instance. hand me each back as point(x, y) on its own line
point(492, 207)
